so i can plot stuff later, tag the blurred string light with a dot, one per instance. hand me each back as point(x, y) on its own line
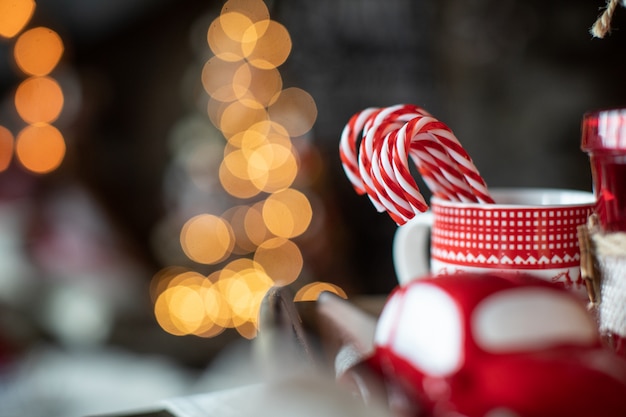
point(39, 99)
point(259, 118)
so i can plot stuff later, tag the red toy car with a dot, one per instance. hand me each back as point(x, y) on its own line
point(496, 345)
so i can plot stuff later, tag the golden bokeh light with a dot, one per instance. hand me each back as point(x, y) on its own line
point(266, 44)
point(236, 161)
point(287, 213)
point(272, 167)
point(237, 117)
point(217, 79)
point(207, 239)
point(255, 86)
point(40, 148)
point(259, 134)
point(255, 10)
point(39, 100)
point(281, 259)
point(186, 307)
point(222, 45)
point(236, 186)
point(162, 279)
point(244, 283)
point(235, 25)
point(187, 302)
point(38, 51)
point(294, 109)
point(215, 305)
point(312, 291)
point(14, 15)
point(236, 216)
point(243, 85)
point(256, 230)
point(7, 143)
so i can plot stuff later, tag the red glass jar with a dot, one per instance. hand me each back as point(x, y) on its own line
point(604, 139)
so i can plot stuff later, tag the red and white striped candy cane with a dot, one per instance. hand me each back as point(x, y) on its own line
point(348, 147)
point(374, 131)
point(421, 138)
point(464, 162)
point(417, 139)
point(390, 194)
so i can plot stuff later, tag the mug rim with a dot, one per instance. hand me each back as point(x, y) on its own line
point(579, 198)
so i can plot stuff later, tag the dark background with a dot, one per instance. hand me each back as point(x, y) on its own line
point(511, 78)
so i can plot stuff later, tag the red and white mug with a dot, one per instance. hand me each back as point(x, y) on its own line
point(529, 230)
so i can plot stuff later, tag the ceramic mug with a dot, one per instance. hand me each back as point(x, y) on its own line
point(530, 230)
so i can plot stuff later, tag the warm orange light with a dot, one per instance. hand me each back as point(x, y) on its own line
point(222, 45)
point(312, 291)
point(234, 185)
point(294, 109)
point(272, 167)
point(40, 148)
point(235, 25)
point(217, 79)
point(14, 15)
point(256, 86)
point(39, 100)
point(162, 279)
point(6, 148)
point(236, 216)
point(255, 10)
point(281, 259)
point(244, 283)
point(259, 134)
point(238, 117)
point(256, 230)
point(266, 44)
point(287, 213)
point(38, 51)
point(207, 239)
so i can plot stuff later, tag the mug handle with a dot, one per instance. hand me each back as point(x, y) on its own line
point(411, 248)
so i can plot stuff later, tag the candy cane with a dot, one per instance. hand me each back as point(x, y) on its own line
point(464, 162)
point(388, 137)
point(374, 131)
point(348, 147)
point(389, 191)
point(433, 149)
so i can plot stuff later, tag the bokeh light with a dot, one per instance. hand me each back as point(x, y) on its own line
point(40, 148)
point(14, 15)
point(287, 213)
point(266, 44)
point(207, 239)
point(223, 46)
point(236, 216)
point(294, 109)
point(259, 120)
point(7, 143)
point(256, 230)
point(254, 86)
point(255, 10)
point(244, 283)
point(233, 183)
point(281, 259)
point(312, 291)
point(237, 116)
point(235, 25)
point(38, 51)
point(39, 100)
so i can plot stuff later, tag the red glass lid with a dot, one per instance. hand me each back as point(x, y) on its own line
point(604, 130)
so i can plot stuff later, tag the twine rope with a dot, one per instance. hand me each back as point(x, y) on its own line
point(602, 26)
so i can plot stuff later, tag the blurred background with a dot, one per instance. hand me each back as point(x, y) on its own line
point(161, 167)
